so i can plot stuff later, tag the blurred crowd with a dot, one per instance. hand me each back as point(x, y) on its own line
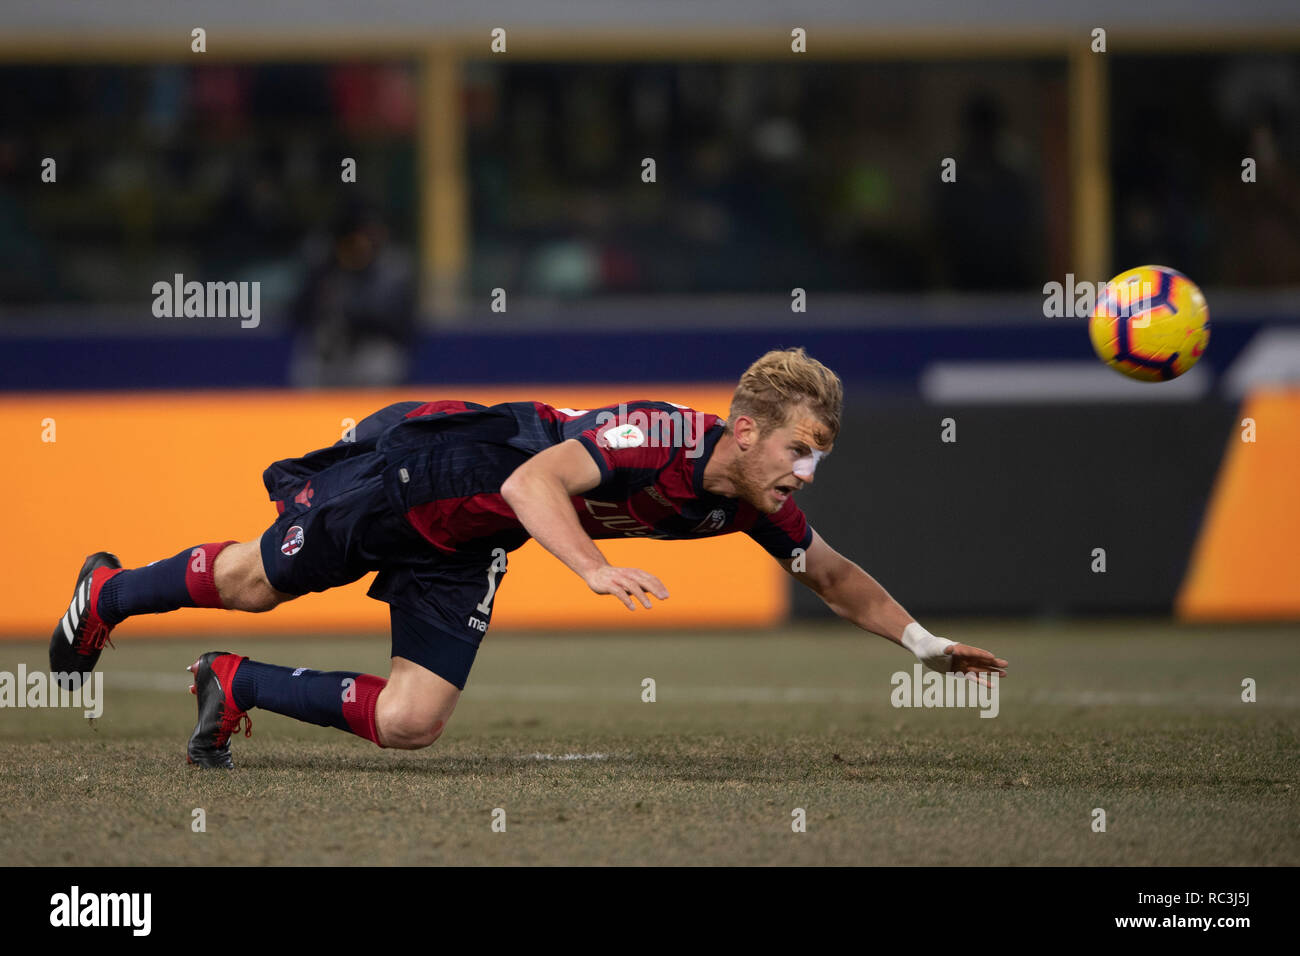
point(824, 176)
point(1184, 126)
point(219, 172)
point(768, 176)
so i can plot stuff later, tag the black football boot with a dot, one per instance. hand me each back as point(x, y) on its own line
point(209, 745)
point(80, 635)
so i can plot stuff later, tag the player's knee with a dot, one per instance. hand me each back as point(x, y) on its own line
point(426, 736)
point(413, 708)
point(408, 726)
point(411, 731)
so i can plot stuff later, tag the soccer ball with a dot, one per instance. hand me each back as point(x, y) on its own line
point(1150, 323)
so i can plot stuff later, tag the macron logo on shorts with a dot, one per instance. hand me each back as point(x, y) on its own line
point(293, 540)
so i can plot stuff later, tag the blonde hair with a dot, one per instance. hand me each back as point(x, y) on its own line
point(782, 380)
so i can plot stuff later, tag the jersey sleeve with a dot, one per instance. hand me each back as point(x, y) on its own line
point(625, 459)
point(781, 533)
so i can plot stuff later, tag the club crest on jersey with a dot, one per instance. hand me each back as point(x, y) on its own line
point(293, 540)
point(623, 436)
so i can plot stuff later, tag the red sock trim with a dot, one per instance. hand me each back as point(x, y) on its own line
point(360, 712)
point(98, 578)
point(224, 667)
point(200, 574)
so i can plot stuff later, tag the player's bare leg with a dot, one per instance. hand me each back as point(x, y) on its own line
point(408, 711)
point(105, 594)
point(413, 709)
point(241, 579)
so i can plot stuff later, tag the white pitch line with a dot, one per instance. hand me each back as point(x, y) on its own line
point(682, 693)
point(571, 693)
point(565, 757)
point(1152, 698)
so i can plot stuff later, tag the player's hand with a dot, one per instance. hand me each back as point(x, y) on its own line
point(975, 662)
point(626, 584)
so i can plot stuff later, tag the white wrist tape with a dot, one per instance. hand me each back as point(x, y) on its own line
point(928, 649)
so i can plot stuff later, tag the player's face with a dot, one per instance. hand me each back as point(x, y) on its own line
point(783, 461)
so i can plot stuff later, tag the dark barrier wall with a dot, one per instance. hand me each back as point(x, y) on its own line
point(620, 351)
point(1005, 519)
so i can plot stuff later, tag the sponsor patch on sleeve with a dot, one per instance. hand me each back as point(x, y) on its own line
point(622, 436)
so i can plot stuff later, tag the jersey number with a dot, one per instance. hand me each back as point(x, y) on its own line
point(497, 567)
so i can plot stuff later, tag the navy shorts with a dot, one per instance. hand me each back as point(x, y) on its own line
point(339, 526)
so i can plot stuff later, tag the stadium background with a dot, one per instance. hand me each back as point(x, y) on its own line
point(521, 171)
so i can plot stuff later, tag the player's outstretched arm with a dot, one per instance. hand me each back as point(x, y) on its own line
point(539, 493)
point(856, 596)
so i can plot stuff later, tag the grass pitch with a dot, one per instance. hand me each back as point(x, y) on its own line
point(1144, 720)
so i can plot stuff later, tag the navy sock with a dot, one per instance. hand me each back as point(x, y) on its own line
point(185, 580)
point(339, 699)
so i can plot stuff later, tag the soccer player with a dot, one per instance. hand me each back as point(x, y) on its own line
point(433, 496)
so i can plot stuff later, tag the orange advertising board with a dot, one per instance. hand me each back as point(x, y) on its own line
point(1246, 563)
point(149, 475)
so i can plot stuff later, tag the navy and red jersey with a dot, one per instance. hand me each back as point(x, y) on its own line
point(446, 462)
